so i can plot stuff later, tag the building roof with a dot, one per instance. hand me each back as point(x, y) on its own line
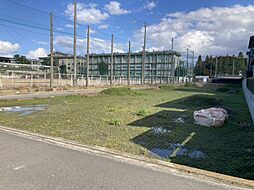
point(70, 56)
point(138, 53)
point(33, 59)
point(6, 58)
point(62, 55)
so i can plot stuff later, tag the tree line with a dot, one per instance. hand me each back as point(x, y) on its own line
point(221, 65)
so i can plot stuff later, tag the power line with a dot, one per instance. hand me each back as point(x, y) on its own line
point(9, 32)
point(9, 26)
point(17, 18)
point(62, 18)
point(22, 24)
point(24, 35)
point(28, 7)
point(36, 27)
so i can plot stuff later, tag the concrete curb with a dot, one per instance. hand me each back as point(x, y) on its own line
point(144, 161)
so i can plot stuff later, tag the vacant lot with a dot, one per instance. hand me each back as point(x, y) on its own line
point(155, 122)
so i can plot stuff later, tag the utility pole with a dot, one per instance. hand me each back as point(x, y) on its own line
point(152, 69)
point(211, 68)
point(129, 63)
point(74, 44)
point(51, 51)
point(233, 67)
point(87, 56)
point(143, 58)
point(111, 61)
point(161, 70)
point(216, 66)
point(178, 71)
point(187, 65)
point(172, 61)
point(193, 55)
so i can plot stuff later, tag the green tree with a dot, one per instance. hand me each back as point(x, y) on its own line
point(45, 61)
point(242, 63)
point(103, 68)
point(225, 65)
point(207, 66)
point(180, 71)
point(21, 59)
point(63, 69)
point(199, 67)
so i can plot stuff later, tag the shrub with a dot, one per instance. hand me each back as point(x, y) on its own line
point(167, 87)
point(120, 91)
point(142, 113)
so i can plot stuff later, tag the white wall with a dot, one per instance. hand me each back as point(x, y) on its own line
point(249, 98)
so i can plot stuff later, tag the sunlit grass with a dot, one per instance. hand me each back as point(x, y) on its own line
point(121, 119)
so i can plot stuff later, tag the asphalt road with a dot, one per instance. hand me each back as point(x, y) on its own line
point(31, 164)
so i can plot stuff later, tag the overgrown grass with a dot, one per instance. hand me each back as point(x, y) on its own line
point(120, 91)
point(142, 112)
point(122, 119)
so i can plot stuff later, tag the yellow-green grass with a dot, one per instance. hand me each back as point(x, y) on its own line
point(122, 119)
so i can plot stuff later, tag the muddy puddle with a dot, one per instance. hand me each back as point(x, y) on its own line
point(24, 110)
point(177, 150)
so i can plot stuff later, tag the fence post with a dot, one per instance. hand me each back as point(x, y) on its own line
point(1, 84)
point(12, 80)
point(71, 80)
point(59, 78)
point(31, 80)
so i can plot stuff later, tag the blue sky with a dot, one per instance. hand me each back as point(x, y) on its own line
point(207, 27)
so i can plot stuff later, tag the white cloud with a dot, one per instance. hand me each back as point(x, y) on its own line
point(7, 48)
point(35, 54)
point(114, 8)
point(69, 26)
point(150, 5)
point(60, 29)
point(103, 26)
point(87, 14)
point(97, 45)
point(212, 31)
point(42, 43)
